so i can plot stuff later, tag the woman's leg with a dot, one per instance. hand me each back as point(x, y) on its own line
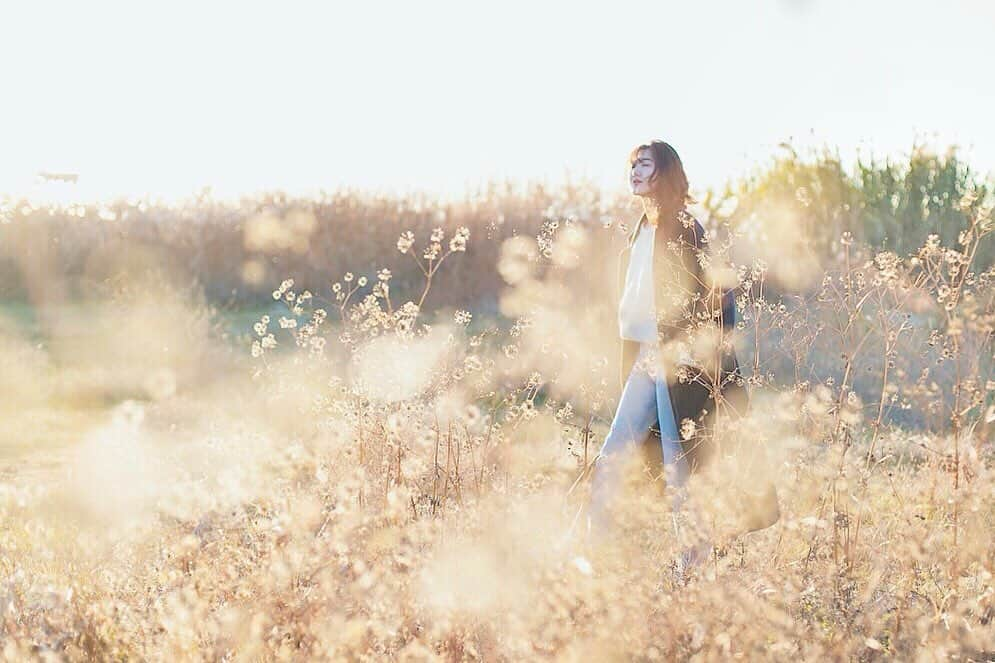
point(633, 418)
point(675, 466)
point(677, 472)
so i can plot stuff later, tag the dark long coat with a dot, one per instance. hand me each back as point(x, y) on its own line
point(694, 321)
point(694, 313)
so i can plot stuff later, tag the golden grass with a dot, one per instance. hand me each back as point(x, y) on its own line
point(382, 479)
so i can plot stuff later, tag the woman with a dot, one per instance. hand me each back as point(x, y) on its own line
point(678, 367)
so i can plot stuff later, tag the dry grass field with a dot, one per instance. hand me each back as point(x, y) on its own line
point(377, 447)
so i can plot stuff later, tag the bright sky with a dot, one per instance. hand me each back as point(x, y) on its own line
point(163, 98)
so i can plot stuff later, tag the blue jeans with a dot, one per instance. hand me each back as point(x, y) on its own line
point(645, 399)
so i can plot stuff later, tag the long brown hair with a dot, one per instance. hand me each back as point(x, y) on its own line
point(669, 182)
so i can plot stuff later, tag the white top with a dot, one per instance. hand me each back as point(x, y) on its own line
point(637, 310)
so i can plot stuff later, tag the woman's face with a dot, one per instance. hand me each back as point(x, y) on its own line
point(641, 172)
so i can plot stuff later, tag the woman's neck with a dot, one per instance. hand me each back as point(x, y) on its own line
point(652, 213)
point(655, 214)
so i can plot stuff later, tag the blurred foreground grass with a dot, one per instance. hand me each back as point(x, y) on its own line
point(54, 392)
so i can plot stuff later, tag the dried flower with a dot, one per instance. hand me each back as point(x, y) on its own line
point(458, 242)
point(405, 241)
